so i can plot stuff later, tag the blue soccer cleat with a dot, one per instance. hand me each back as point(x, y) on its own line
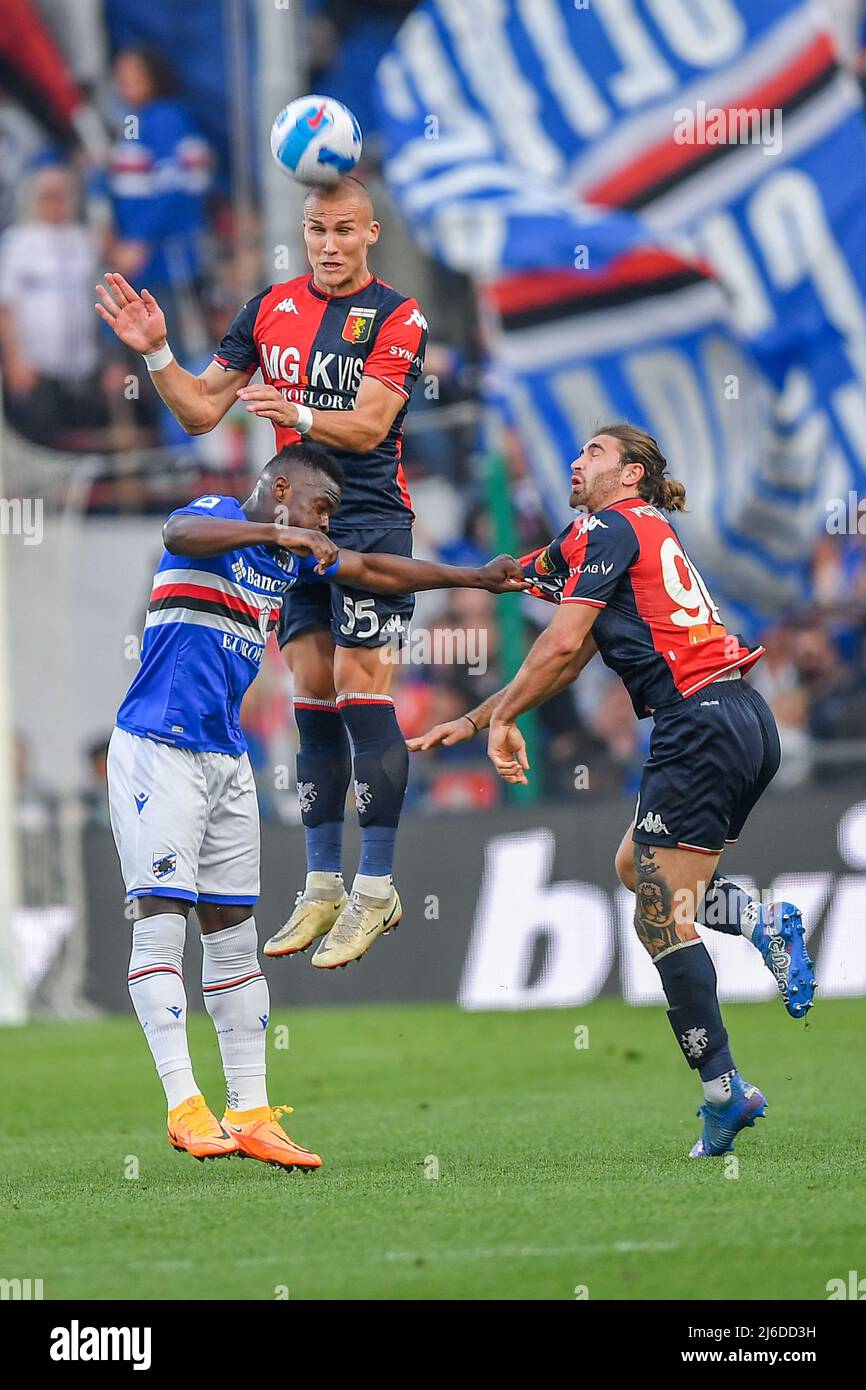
point(781, 939)
point(722, 1123)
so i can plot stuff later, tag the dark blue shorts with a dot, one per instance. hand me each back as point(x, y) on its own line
point(356, 617)
point(711, 758)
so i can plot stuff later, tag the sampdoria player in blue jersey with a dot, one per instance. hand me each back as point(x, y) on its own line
point(339, 352)
point(181, 791)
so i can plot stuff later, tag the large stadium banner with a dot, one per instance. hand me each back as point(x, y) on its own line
point(530, 914)
point(663, 206)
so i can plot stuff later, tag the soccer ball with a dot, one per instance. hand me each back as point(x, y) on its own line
point(316, 140)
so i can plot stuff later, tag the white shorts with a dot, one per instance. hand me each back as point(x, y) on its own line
point(186, 824)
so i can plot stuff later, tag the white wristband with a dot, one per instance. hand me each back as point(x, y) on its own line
point(304, 421)
point(155, 361)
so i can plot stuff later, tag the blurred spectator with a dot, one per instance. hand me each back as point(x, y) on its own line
point(35, 806)
point(346, 42)
point(814, 693)
point(94, 798)
point(158, 174)
point(834, 690)
point(50, 340)
point(839, 587)
point(20, 142)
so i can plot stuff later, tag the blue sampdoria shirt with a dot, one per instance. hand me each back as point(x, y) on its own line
point(208, 622)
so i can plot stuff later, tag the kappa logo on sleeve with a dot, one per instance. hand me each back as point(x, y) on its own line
point(590, 523)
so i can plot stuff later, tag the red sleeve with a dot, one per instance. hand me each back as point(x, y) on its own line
point(397, 356)
point(547, 568)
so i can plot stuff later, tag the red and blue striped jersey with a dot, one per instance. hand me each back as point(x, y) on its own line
point(208, 622)
point(316, 349)
point(657, 625)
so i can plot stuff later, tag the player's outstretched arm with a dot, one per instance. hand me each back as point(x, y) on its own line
point(395, 574)
point(472, 723)
point(546, 662)
point(198, 403)
point(184, 534)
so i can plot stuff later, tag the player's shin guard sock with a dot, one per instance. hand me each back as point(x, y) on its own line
point(324, 768)
point(688, 978)
point(727, 907)
point(159, 999)
point(381, 769)
point(236, 997)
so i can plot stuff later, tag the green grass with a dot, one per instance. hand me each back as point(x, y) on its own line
point(557, 1167)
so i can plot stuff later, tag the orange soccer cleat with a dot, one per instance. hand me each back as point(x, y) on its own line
point(194, 1129)
point(258, 1134)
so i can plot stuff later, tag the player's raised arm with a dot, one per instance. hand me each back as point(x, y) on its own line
point(478, 718)
point(395, 574)
point(198, 403)
point(184, 534)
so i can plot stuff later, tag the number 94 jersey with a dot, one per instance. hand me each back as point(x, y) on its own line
point(657, 626)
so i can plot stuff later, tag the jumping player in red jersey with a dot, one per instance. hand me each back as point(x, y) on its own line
point(339, 352)
point(626, 588)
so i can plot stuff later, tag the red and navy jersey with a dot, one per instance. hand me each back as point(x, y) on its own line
point(657, 625)
point(316, 349)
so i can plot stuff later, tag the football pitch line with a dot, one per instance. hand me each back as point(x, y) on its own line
point(531, 1252)
point(493, 1252)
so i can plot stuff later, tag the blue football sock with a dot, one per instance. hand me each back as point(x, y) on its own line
point(381, 769)
point(324, 769)
point(723, 906)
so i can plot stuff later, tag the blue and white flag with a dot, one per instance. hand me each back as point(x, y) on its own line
point(663, 206)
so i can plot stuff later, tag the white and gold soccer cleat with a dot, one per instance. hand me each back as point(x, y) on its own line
point(361, 921)
point(311, 918)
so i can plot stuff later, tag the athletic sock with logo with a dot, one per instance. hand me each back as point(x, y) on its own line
point(236, 997)
point(726, 907)
point(159, 999)
point(327, 888)
point(688, 978)
point(324, 768)
point(381, 769)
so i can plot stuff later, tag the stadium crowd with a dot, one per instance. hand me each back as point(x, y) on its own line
point(156, 204)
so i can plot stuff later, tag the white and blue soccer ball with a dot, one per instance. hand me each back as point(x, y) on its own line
point(316, 140)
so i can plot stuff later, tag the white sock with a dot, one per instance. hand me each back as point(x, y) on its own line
point(159, 998)
point(374, 885)
point(327, 887)
point(750, 917)
point(718, 1091)
point(237, 998)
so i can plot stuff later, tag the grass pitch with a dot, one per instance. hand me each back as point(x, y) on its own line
point(557, 1167)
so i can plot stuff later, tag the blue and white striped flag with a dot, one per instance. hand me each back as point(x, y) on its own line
point(663, 206)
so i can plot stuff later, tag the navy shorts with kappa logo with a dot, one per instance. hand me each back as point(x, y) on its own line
point(712, 757)
point(356, 617)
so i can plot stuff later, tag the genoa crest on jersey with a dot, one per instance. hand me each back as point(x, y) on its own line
point(358, 325)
